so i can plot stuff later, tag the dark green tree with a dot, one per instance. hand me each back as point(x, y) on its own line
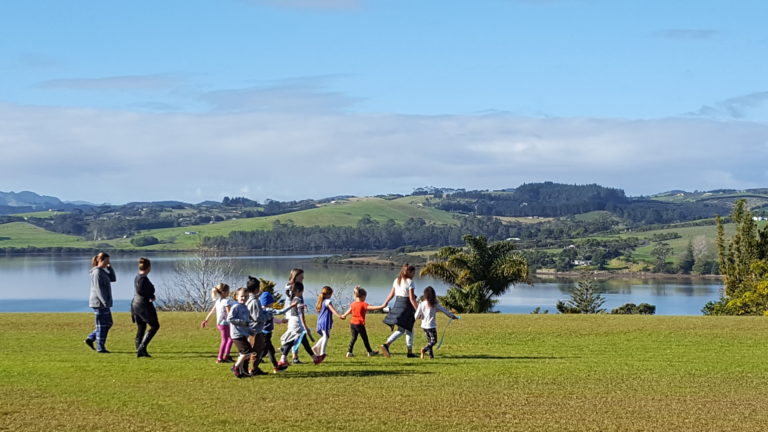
point(585, 299)
point(477, 273)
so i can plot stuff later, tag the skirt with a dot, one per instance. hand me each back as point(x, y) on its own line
point(401, 314)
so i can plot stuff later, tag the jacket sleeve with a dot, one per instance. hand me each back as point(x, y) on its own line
point(420, 311)
point(445, 311)
point(111, 273)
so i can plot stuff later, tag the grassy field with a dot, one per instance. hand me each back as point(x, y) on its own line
point(22, 234)
point(494, 372)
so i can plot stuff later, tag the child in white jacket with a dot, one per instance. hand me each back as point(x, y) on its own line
point(426, 312)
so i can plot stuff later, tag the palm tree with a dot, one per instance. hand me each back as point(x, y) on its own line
point(477, 273)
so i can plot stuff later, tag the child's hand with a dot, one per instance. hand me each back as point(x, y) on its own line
point(285, 320)
point(456, 317)
point(204, 323)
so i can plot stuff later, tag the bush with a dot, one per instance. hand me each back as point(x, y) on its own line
point(633, 309)
point(144, 241)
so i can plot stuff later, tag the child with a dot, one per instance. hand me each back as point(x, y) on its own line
point(258, 320)
point(240, 325)
point(297, 326)
point(358, 310)
point(325, 308)
point(427, 311)
point(267, 300)
point(222, 304)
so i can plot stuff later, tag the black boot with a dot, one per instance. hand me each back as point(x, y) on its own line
point(141, 350)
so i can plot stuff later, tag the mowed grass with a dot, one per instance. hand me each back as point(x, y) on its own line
point(494, 372)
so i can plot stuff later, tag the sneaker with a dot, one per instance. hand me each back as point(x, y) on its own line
point(281, 366)
point(257, 372)
point(318, 359)
point(104, 351)
point(237, 371)
point(349, 354)
point(373, 353)
point(411, 355)
point(228, 360)
point(297, 361)
point(89, 342)
point(384, 351)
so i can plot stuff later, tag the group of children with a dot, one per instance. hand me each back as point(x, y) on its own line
point(248, 322)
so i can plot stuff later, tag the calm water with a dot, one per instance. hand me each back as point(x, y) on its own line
point(61, 284)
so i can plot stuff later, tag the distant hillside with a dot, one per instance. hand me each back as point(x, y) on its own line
point(25, 201)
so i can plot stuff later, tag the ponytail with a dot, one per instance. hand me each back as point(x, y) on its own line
point(325, 293)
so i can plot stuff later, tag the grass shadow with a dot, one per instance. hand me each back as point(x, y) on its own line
point(348, 373)
point(501, 357)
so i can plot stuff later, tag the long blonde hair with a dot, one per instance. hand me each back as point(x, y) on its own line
point(325, 293)
point(295, 272)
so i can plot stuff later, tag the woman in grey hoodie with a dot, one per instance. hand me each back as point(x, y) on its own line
point(102, 276)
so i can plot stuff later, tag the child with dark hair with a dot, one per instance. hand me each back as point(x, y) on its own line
point(358, 309)
point(258, 320)
point(240, 328)
point(297, 326)
point(427, 312)
point(267, 301)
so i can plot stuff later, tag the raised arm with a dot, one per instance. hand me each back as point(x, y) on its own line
point(446, 311)
point(111, 273)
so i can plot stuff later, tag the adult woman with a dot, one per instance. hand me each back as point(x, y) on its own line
point(402, 313)
point(143, 311)
point(102, 276)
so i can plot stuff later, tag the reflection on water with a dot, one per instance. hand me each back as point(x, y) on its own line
point(61, 283)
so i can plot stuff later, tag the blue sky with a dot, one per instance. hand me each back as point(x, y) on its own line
point(193, 100)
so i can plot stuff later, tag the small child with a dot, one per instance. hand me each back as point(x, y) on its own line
point(240, 326)
point(427, 311)
point(267, 300)
point(222, 304)
point(258, 320)
point(325, 308)
point(358, 309)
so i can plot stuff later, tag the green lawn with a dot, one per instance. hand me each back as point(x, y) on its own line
point(22, 234)
point(495, 372)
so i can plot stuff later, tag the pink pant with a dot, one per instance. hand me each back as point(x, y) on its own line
point(226, 342)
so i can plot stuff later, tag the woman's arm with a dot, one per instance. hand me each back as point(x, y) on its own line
point(389, 297)
point(111, 273)
point(205, 321)
point(412, 297)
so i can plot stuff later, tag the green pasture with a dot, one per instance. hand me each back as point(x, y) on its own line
point(22, 234)
point(342, 213)
point(40, 214)
point(494, 372)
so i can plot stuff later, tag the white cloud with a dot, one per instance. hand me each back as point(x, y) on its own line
point(121, 156)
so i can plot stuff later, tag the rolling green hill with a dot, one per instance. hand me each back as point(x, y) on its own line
point(22, 235)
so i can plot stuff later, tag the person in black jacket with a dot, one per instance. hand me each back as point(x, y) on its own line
point(143, 310)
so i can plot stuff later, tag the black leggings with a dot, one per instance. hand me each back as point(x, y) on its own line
point(286, 348)
point(269, 349)
point(143, 337)
point(359, 329)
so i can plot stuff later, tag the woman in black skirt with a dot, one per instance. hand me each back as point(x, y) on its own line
point(402, 313)
point(143, 310)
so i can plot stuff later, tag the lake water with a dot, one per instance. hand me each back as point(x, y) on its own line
point(61, 284)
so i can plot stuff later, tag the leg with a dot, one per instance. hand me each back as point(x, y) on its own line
point(364, 335)
point(141, 328)
point(258, 349)
point(224, 331)
point(305, 344)
point(269, 349)
point(154, 326)
point(393, 337)
point(103, 324)
point(354, 330)
point(431, 341)
point(322, 343)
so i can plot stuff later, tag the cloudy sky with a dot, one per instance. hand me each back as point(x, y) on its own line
point(288, 99)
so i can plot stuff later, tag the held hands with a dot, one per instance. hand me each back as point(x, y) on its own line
point(204, 323)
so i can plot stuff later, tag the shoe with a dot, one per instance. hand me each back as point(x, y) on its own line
point(219, 361)
point(104, 352)
point(257, 372)
point(228, 360)
point(373, 354)
point(318, 359)
point(411, 355)
point(422, 354)
point(349, 354)
point(237, 371)
point(89, 342)
point(142, 353)
point(297, 361)
point(281, 366)
point(316, 350)
point(384, 351)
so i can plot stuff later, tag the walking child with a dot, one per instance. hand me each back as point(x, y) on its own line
point(297, 327)
point(267, 301)
point(240, 327)
point(358, 309)
point(258, 320)
point(222, 304)
point(325, 310)
point(427, 312)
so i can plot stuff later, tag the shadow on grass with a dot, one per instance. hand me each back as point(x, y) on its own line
point(498, 357)
point(348, 373)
